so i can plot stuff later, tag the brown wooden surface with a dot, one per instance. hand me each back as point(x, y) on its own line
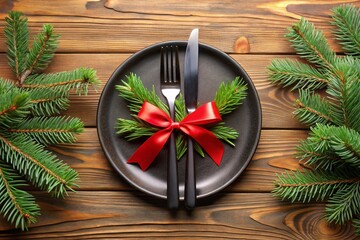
point(102, 34)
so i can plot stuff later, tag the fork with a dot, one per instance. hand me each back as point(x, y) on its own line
point(170, 88)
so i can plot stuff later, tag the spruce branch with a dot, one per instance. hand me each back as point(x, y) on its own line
point(344, 204)
point(225, 133)
point(347, 20)
point(27, 124)
point(13, 107)
point(17, 206)
point(332, 149)
point(39, 166)
point(50, 130)
point(17, 41)
point(42, 51)
point(344, 94)
point(47, 102)
point(134, 129)
point(287, 72)
point(79, 79)
point(311, 108)
point(315, 185)
point(134, 92)
point(230, 95)
point(311, 44)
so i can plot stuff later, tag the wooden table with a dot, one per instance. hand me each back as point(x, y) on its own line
point(102, 34)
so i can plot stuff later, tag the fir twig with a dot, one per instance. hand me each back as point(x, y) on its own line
point(79, 79)
point(311, 108)
point(26, 125)
point(225, 133)
point(344, 92)
point(328, 145)
point(47, 102)
point(50, 130)
point(296, 74)
point(311, 44)
point(16, 202)
point(133, 91)
point(332, 149)
point(17, 41)
point(347, 19)
point(13, 107)
point(344, 204)
point(230, 95)
point(133, 130)
point(311, 185)
point(41, 167)
point(42, 51)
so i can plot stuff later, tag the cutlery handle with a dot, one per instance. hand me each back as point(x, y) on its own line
point(172, 176)
point(190, 182)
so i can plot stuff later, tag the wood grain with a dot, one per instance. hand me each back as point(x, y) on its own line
point(105, 215)
point(274, 154)
point(127, 26)
point(277, 103)
point(102, 34)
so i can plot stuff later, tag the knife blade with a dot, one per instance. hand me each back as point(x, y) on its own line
point(191, 72)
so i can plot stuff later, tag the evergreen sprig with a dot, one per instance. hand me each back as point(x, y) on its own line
point(17, 40)
point(332, 149)
point(43, 49)
point(227, 98)
point(347, 21)
point(27, 125)
point(299, 75)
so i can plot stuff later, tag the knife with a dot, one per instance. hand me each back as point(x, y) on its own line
point(191, 70)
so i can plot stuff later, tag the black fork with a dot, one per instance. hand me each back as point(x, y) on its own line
point(170, 88)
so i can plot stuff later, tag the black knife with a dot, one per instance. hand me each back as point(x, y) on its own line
point(191, 70)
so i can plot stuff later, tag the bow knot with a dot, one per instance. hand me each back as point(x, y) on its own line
point(192, 125)
point(175, 125)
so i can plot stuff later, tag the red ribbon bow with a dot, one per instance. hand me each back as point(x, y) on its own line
point(190, 125)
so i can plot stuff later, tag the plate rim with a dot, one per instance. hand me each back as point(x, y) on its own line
point(120, 68)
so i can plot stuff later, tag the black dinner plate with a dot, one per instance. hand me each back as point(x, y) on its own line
point(214, 68)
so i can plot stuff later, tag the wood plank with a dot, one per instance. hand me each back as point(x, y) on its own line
point(105, 215)
point(277, 103)
point(119, 26)
point(275, 153)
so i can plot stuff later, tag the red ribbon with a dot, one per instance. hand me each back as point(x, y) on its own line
point(191, 125)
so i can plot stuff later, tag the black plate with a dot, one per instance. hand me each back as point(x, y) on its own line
point(214, 68)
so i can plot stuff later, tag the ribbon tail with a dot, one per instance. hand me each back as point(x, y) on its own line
point(207, 140)
point(148, 151)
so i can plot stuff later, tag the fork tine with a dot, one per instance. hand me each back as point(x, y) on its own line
point(162, 71)
point(169, 65)
point(177, 67)
point(168, 68)
point(172, 74)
